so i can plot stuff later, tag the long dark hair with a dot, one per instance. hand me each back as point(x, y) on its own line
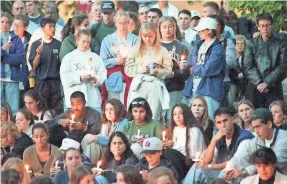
point(131, 174)
point(140, 102)
point(189, 122)
point(69, 27)
point(36, 96)
point(79, 173)
point(109, 155)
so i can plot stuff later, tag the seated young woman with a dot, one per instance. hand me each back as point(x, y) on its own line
point(118, 153)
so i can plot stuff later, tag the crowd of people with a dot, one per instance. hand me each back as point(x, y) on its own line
point(156, 96)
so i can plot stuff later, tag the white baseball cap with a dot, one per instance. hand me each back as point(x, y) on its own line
point(152, 145)
point(206, 23)
point(69, 143)
point(194, 13)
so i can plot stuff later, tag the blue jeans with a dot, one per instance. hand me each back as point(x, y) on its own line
point(11, 94)
point(211, 103)
point(198, 175)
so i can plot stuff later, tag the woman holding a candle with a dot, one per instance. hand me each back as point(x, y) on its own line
point(72, 159)
point(141, 125)
point(37, 106)
point(113, 118)
point(41, 156)
point(178, 52)
point(187, 136)
point(114, 51)
point(83, 70)
point(18, 165)
point(12, 140)
point(118, 153)
point(199, 110)
point(149, 64)
point(25, 121)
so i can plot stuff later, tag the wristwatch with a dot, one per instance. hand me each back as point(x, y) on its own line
point(209, 166)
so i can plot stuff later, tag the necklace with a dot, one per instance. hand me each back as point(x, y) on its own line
point(41, 153)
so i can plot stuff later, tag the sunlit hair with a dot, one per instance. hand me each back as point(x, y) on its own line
point(241, 37)
point(10, 130)
point(79, 173)
point(147, 28)
point(263, 155)
point(244, 101)
point(83, 32)
point(156, 173)
point(18, 163)
point(205, 118)
point(6, 108)
point(120, 110)
point(165, 19)
point(283, 107)
point(121, 14)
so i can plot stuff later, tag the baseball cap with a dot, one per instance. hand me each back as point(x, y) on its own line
point(152, 145)
point(194, 13)
point(107, 6)
point(69, 143)
point(262, 114)
point(206, 23)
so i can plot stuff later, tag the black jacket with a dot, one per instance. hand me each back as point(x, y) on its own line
point(143, 165)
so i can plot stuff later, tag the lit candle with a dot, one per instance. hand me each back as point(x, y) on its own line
point(182, 57)
point(197, 155)
point(27, 169)
point(163, 135)
point(9, 39)
point(91, 72)
point(56, 164)
point(139, 131)
point(73, 118)
point(99, 163)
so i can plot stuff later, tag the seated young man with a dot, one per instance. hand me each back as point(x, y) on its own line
point(152, 150)
point(80, 117)
point(265, 161)
point(221, 148)
point(267, 136)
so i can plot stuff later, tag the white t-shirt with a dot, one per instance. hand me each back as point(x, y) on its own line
point(196, 141)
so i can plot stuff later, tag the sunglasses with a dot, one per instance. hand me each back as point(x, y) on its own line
point(138, 103)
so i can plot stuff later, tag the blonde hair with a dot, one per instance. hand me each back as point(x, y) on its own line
point(19, 164)
point(147, 27)
point(205, 118)
point(158, 172)
point(164, 19)
point(10, 130)
point(240, 37)
point(120, 14)
point(6, 108)
point(244, 101)
point(282, 106)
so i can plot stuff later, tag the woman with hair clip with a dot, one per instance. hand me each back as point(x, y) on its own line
point(70, 31)
point(199, 110)
point(149, 65)
point(25, 121)
point(84, 71)
point(279, 112)
point(118, 153)
point(245, 110)
point(18, 165)
point(37, 106)
point(178, 52)
point(114, 51)
point(141, 125)
point(6, 113)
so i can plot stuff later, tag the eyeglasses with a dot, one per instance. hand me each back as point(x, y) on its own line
point(138, 103)
point(263, 26)
point(19, 8)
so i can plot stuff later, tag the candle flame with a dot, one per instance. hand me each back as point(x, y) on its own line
point(163, 135)
point(197, 155)
point(73, 117)
point(27, 167)
point(139, 131)
point(182, 57)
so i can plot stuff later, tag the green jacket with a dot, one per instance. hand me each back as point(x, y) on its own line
point(266, 61)
point(68, 45)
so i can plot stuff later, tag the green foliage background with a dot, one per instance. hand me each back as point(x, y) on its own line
point(251, 9)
